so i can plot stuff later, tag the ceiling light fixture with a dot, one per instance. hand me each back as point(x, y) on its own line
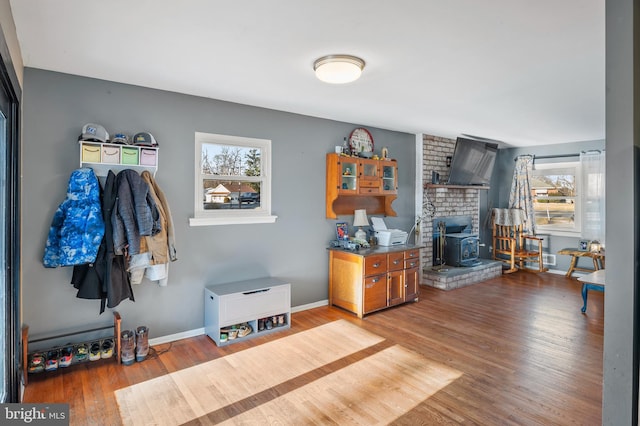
point(338, 69)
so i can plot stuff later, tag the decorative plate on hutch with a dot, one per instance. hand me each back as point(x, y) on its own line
point(361, 140)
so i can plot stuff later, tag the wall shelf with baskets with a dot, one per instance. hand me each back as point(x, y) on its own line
point(102, 157)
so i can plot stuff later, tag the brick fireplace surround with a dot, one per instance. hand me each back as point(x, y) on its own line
point(441, 202)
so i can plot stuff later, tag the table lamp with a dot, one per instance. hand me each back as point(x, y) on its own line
point(360, 220)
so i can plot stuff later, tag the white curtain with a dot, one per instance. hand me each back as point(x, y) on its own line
point(520, 196)
point(592, 166)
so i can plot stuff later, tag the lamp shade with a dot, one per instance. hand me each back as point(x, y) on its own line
point(338, 69)
point(360, 218)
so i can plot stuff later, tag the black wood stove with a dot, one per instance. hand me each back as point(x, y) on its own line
point(461, 246)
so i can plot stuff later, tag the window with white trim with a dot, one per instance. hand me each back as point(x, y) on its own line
point(555, 188)
point(232, 180)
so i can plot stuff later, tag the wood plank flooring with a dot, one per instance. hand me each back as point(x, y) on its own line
point(526, 353)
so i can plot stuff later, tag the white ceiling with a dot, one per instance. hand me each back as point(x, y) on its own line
point(520, 71)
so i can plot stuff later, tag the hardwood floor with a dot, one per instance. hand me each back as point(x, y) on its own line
point(527, 354)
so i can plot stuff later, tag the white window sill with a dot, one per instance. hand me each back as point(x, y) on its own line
point(242, 220)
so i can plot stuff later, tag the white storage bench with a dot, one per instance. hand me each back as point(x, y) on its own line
point(259, 303)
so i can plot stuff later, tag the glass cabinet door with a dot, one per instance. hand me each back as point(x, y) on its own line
point(389, 176)
point(369, 169)
point(348, 175)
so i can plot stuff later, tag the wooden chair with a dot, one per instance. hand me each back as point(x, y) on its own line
point(512, 245)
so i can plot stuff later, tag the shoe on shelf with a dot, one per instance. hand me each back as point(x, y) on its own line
point(229, 328)
point(244, 330)
point(280, 320)
point(36, 362)
point(81, 353)
point(261, 324)
point(66, 356)
point(52, 361)
point(127, 347)
point(106, 350)
point(142, 343)
point(94, 351)
point(268, 324)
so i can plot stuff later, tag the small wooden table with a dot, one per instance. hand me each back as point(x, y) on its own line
point(598, 260)
point(594, 281)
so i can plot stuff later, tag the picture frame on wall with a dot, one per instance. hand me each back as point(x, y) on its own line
point(342, 231)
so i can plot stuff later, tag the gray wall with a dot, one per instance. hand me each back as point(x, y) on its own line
point(501, 186)
point(621, 304)
point(294, 248)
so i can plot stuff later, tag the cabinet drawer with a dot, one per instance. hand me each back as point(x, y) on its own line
point(395, 261)
point(412, 254)
point(240, 307)
point(375, 264)
point(365, 190)
point(369, 184)
point(411, 263)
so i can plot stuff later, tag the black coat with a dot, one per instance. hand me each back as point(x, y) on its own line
point(107, 278)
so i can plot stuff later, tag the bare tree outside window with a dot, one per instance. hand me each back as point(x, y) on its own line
point(228, 164)
point(233, 180)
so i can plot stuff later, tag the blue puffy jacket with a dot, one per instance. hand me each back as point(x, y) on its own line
point(77, 227)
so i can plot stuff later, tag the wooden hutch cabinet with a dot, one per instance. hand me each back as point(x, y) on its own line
point(369, 280)
point(360, 183)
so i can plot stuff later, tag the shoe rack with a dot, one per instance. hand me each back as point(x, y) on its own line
point(77, 356)
point(237, 311)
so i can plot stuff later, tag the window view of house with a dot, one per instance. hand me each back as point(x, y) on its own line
point(225, 194)
point(232, 180)
point(232, 177)
point(555, 197)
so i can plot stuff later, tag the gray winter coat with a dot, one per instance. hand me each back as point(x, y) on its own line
point(135, 213)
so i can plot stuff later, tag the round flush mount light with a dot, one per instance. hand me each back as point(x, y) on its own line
point(338, 69)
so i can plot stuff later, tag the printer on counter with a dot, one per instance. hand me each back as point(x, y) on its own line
point(387, 237)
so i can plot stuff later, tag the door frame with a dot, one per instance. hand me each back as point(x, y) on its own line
point(12, 92)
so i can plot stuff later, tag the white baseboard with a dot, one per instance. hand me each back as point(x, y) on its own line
point(177, 336)
point(310, 306)
point(200, 331)
point(560, 272)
